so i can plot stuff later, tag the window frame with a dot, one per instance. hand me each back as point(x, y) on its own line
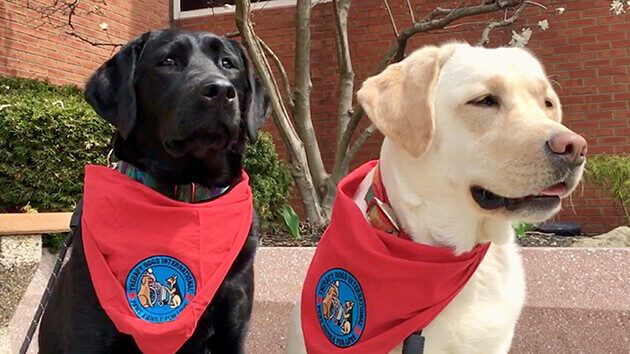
point(275, 4)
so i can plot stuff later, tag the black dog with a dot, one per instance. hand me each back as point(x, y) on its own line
point(184, 104)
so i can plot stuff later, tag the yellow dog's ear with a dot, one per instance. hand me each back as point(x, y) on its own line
point(400, 100)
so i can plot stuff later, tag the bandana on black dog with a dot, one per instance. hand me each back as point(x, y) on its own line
point(156, 263)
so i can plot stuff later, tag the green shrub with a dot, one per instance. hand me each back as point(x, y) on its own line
point(612, 174)
point(269, 177)
point(521, 228)
point(48, 133)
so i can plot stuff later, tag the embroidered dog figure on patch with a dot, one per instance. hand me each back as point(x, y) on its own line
point(175, 296)
point(346, 324)
point(144, 295)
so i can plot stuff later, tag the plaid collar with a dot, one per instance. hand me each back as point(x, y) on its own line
point(189, 193)
point(379, 213)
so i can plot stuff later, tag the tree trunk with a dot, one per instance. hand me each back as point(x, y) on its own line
point(295, 147)
point(303, 87)
point(346, 93)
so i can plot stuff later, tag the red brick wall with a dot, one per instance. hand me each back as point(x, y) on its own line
point(586, 50)
point(30, 50)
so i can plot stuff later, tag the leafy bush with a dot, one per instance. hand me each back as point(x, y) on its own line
point(48, 133)
point(612, 174)
point(269, 177)
point(521, 228)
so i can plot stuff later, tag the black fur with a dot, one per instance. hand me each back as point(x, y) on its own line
point(173, 123)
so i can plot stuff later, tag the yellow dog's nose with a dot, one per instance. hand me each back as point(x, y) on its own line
point(570, 146)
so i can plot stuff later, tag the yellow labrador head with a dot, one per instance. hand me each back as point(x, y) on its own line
point(482, 125)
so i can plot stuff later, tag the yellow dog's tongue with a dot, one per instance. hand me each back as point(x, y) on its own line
point(557, 190)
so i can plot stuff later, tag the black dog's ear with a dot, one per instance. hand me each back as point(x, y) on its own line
point(110, 90)
point(257, 106)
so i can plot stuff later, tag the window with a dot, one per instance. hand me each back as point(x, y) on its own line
point(190, 5)
point(195, 8)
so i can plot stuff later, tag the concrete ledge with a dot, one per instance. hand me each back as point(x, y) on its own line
point(577, 300)
point(34, 223)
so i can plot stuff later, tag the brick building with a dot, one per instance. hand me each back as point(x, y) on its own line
point(586, 50)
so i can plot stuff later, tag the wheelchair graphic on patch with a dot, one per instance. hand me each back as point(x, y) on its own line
point(152, 292)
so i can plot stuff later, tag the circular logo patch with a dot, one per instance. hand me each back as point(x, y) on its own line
point(159, 287)
point(340, 307)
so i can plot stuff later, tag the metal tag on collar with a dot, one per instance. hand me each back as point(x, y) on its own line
point(389, 213)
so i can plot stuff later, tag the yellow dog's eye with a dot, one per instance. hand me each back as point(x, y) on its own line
point(486, 101)
point(548, 103)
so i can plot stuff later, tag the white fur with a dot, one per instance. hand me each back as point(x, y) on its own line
point(430, 194)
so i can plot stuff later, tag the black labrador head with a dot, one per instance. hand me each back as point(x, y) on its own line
point(183, 103)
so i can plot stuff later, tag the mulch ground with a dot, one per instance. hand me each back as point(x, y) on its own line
point(309, 236)
point(539, 239)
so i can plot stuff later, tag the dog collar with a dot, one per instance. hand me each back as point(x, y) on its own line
point(190, 193)
point(379, 213)
point(381, 216)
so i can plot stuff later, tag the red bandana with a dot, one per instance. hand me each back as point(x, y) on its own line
point(155, 262)
point(366, 290)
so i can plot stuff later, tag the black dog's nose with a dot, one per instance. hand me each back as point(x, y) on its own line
point(218, 90)
point(569, 146)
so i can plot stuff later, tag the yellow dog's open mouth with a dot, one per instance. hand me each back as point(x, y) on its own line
point(548, 198)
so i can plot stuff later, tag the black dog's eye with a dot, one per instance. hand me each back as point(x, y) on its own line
point(169, 62)
point(548, 103)
point(227, 63)
point(486, 101)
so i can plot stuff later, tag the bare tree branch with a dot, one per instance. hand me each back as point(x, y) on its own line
point(536, 4)
point(274, 82)
point(391, 17)
point(283, 73)
point(302, 102)
point(63, 13)
point(438, 11)
point(411, 13)
point(346, 84)
point(451, 16)
point(469, 23)
point(365, 135)
point(485, 35)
